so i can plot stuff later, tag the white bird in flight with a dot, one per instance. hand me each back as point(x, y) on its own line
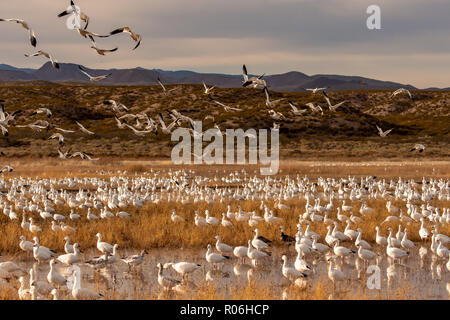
point(55, 63)
point(94, 79)
point(401, 90)
point(419, 147)
point(315, 90)
point(332, 107)
point(25, 25)
point(382, 133)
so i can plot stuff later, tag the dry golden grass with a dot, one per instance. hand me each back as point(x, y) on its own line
point(151, 227)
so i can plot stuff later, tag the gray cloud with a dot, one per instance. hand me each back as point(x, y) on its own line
point(272, 36)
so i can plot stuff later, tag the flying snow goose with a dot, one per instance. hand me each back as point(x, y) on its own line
point(419, 147)
point(83, 129)
point(225, 107)
point(136, 37)
point(255, 82)
point(92, 78)
point(315, 90)
point(25, 26)
point(76, 10)
point(400, 91)
point(207, 89)
point(55, 63)
point(295, 109)
point(270, 104)
point(382, 133)
point(332, 108)
point(102, 51)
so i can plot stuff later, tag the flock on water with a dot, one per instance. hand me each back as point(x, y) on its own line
point(336, 205)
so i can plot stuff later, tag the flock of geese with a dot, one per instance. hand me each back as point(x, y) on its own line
point(31, 202)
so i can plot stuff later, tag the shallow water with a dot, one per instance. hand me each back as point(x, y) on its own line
point(414, 277)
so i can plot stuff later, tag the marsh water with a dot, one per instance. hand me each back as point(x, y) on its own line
point(421, 276)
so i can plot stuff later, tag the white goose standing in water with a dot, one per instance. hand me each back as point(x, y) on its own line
point(80, 293)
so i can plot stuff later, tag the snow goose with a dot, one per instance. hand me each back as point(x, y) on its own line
point(400, 91)
point(73, 216)
point(225, 223)
point(352, 234)
point(42, 254)
point(70, 258)
point(55, 227)
point(211, 220)
point(424, 234)
point(175, 218)
point(164, 281)
point(301, 265)
point(359, 242)
point(53, 277)
point(289, 272)
point(405, 243)
point(240, 252)
point(339, 235)
point(395, 253)
point(439, 236)
point(334, 274)
point(207, 90)
point(183, 268)
point(254, 82)
point(329, 239)
point(257, 242)
point(382, 241)
point(68, 248)
point(25, 245)
point(441, 250)
point(103, 247)
point(123, 215)
point(393, 241)
point(320, 247)
point(33, 227)
point(382, 133)
point(419, 147)
point(136, 37)
point(54, 63)
point(200, 221)
point(67, 229)
point(341, 251)
point(135, 260)
point(80, 293)
point(366, 254)
point(332, 108)
point(92, 78)
point(215, 258)
point(255, 254)
point(222, 247)
point(399, 234)
point(90, 216)
point(25, 25)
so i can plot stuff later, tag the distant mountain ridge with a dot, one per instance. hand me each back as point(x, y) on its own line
point(293, 81)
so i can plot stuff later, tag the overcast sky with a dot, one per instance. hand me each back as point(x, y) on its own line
point(271, 36)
